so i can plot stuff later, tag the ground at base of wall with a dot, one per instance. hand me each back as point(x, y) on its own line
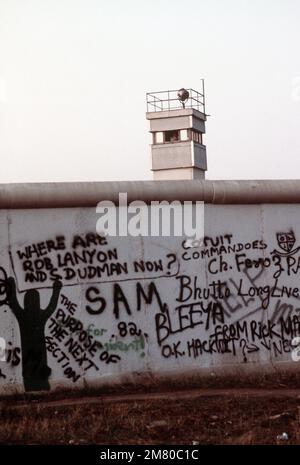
point(153, 384)
point(232, 416)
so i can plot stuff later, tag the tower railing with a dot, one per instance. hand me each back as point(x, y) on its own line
point(167, 100)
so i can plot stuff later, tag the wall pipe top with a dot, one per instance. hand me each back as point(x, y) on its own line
point(88, 194)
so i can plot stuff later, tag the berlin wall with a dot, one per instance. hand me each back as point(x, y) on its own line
point(81, 309)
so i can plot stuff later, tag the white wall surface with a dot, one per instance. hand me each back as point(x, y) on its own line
point(206, 309)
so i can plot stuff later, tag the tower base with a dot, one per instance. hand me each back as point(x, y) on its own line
point(179, 173)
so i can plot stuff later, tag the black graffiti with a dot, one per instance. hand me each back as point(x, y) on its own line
point(68, 304)
point(62, 323)
point(84, 260)
point(218, 246)
point(283, 310)
point(42, 248)
point(41, 269)
point(190, 290)
point(281, 264)
point(128, 328)
point(186, 317)
point(78, 345)
point(62, 358)
point(142, 265)
point(78, 352)
point(119, 299)
point(106, 357)
point(13, 355)
point(243, 300)
point(267, 291)
point(88, 240)
point(88, 257)
point(92, 296)
point(242, 262)
point(32, 320)
point(172, 350)
point(247, 337)
point(290, 326)
point(145, 294)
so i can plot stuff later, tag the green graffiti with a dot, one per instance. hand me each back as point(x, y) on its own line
point(95, 331)
point(136, 345)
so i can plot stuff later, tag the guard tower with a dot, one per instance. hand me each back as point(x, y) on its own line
point(177, 123)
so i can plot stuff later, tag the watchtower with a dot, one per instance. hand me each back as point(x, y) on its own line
point(177, 123)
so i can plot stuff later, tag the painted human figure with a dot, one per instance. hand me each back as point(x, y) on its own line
point(32, 320)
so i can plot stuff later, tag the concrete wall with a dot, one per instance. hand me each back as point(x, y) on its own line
point(132, 306)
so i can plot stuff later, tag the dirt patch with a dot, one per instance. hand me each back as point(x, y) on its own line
point(231, 417)
point(152, 384)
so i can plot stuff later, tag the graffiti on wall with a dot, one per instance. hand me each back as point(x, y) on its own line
point(78, 307)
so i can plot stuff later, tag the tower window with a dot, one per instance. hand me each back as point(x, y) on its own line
point(184, 135)
point(177, 135)
point(171, 136)
point(159, 138)
point(197, 137)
